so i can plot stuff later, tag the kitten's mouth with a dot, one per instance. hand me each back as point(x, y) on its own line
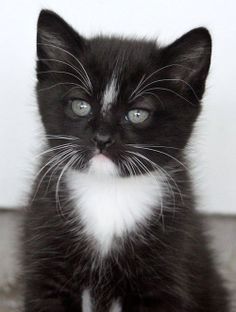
point(101, 157)
point(102, 164)
point(103, 152)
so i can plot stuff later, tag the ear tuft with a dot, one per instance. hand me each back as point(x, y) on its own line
point(190, 56)
point(55, 38)
point(49, 26)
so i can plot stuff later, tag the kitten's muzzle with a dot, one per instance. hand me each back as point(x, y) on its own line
point(103, 141)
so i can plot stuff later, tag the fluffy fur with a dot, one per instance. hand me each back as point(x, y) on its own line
point(112, 224)
point(130, 202)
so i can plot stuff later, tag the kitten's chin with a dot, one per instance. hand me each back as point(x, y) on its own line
point(102, 165)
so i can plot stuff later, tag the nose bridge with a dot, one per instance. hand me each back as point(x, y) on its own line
point(105, 126)
point(104, 131)
point(103, 138)
point(104, 134)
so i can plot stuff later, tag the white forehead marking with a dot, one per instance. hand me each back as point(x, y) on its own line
point(109, 205)
point(86, 301)
point(110, 94)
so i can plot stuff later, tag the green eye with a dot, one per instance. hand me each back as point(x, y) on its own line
point(137, 115)
point(80, 107)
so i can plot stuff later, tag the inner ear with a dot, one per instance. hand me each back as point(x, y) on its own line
point(187, 61)
point(56, 41)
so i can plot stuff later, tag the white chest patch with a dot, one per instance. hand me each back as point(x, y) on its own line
point(87, 305)
point(109, 205)
point(86, 301)
point(116, 307)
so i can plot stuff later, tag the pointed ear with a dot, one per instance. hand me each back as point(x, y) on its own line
point(56, 39)
point(188, 60)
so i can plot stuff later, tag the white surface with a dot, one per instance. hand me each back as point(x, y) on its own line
point(166, 19)
point(9, 249)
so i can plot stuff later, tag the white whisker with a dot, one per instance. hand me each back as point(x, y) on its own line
point(153, 145)
point(59, 84)
point(56, 169)
point(168, 90)
point(154, 95)
point(52, 163)
point(75, 58)
point(69, 65)
point(83, 87)
point(165, 173)
point(157, 71)
point(163, 153)
point(152, 175)
point(133, 165)
point(167, 79)
point(62, 137)
point(66, 167)
point(53, 158)
point(138, 86)
point(56, 148)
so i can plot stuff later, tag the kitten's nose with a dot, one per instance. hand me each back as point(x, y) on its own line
point(103, 140)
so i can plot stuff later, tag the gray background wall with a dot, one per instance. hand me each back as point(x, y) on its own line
point(214, 144)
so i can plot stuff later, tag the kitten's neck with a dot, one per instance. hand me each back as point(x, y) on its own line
point(111, 206)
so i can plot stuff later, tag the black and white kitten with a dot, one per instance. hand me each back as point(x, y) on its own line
point(112, 225)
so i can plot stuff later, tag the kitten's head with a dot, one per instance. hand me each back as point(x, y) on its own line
point(118, 105)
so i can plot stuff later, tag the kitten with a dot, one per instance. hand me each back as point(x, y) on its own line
point(112, 225)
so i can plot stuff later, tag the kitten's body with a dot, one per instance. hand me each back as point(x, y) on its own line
point(105, 235)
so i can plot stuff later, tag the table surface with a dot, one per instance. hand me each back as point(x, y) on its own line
point(222, 230)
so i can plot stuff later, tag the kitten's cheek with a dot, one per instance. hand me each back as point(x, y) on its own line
point(102, 165)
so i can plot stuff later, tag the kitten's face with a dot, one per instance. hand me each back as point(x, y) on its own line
point(121, 106)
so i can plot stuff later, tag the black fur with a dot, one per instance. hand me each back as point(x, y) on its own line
point(165, 265)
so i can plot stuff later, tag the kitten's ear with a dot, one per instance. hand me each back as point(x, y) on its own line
point(55, 38)
point(188, 60)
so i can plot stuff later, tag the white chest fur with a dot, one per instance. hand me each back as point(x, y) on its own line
point(109, 205)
